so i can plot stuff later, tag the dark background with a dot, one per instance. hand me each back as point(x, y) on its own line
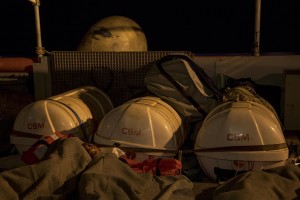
point(203, 27)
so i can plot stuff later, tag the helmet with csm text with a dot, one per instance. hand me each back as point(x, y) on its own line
point(240, 136)
point(142, 126)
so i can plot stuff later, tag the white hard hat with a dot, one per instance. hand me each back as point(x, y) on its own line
point(44, 117)
point(145, 123)
point(240, 136)
point(95, 100)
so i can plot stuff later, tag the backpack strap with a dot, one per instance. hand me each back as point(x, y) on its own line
point(201, 74)
point(179, 88)
point(204, 78)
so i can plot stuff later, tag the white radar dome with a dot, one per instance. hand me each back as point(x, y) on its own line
point(114, 33)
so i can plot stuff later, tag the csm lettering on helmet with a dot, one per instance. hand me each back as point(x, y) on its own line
point(131, 131)
point(238, 137)
point(36, 125)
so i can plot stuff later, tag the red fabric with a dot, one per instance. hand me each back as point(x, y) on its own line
point(39, 148)
point(156, 166)
point(28, 156)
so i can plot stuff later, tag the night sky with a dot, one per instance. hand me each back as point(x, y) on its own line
point(203, 27)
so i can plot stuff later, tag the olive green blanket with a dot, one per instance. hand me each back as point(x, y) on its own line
point(69, 172)
point(277, 183)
